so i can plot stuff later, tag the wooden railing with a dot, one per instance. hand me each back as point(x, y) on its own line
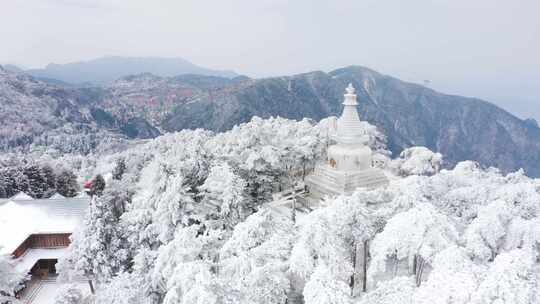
point(48, 240)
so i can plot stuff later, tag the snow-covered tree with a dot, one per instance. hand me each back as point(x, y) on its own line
point(69, 294)
point(98, 185)
point(66, 184)
point(222, 198)
point(413, 237)
point(125, 288)
point(254, 260)
point(173, 202)
point(180, 268)
point(98, 249)
point(10, 280)
point(512, 278)
point(266, 151)
point(397, 290)
point(454, 278)
point(484, 237)
point(417, 161)
point(324, 288)
point(119, 169)
point(37, 184)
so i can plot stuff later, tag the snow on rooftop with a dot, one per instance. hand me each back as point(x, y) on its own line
point(25, 263)
point(21, 196)
point(57, 196)
point(19, 219)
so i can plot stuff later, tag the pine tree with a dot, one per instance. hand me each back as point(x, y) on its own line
point(50, 180)
point(13, 180)
point(223, 197)
point(99, 250)
point(98, 185)
point(37, 184)
point(119, 169)
point(3, 185)
point(66, 184)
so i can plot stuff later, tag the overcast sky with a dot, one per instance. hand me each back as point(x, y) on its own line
point(483, 48)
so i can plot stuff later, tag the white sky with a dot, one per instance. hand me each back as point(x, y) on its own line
point(484, 48)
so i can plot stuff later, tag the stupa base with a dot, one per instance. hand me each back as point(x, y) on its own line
point(326, 181)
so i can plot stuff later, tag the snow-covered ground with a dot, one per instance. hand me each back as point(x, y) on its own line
point(49, 289)
point(25, 263)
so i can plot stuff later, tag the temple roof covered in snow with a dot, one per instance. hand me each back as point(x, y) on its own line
point(22, 218)
point(21, 196)
point(57, 196)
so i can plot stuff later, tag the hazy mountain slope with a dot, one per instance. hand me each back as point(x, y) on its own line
point(105, 69)
point(460, 128)
point(36, 113)
point(153, 97)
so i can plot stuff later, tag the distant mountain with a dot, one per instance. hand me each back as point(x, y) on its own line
point(13, 68)
point(107, 69)
point(35, 114)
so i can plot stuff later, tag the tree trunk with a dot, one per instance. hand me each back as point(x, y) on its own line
point(303, 170)
point(92, 290)
point(419, 269)
point(365, 265)
point(396, 262)
point(351, 284)
point(293, 211)
point(414, 265)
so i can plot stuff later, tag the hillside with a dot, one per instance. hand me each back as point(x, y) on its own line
point(153, 97)
point(34, 113)
point(105, 69)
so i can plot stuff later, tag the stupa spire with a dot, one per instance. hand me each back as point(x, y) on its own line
point(350, 97)
point(349, 128)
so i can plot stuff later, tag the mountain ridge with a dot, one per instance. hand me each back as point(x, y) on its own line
point(109, 68)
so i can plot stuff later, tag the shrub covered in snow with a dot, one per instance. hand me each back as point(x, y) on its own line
point(10, 280)
point(69, 294)
point(417, 161)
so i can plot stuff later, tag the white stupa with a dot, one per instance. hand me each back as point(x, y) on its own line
point(349, 161)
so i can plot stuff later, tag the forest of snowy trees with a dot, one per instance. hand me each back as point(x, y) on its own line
point(184, 219)
point(39, 179)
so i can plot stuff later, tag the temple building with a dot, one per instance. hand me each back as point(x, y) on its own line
point(349, 161)
point(37, 231)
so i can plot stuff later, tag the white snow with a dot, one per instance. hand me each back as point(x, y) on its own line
point(50, 289)
point(19, 219)
point(57, 196)
point(25, 263)
point(21, 196)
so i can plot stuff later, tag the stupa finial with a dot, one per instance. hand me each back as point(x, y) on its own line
point(350, 97)
point(350, 89)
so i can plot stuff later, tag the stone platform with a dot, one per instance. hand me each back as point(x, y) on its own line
point(327, 181)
